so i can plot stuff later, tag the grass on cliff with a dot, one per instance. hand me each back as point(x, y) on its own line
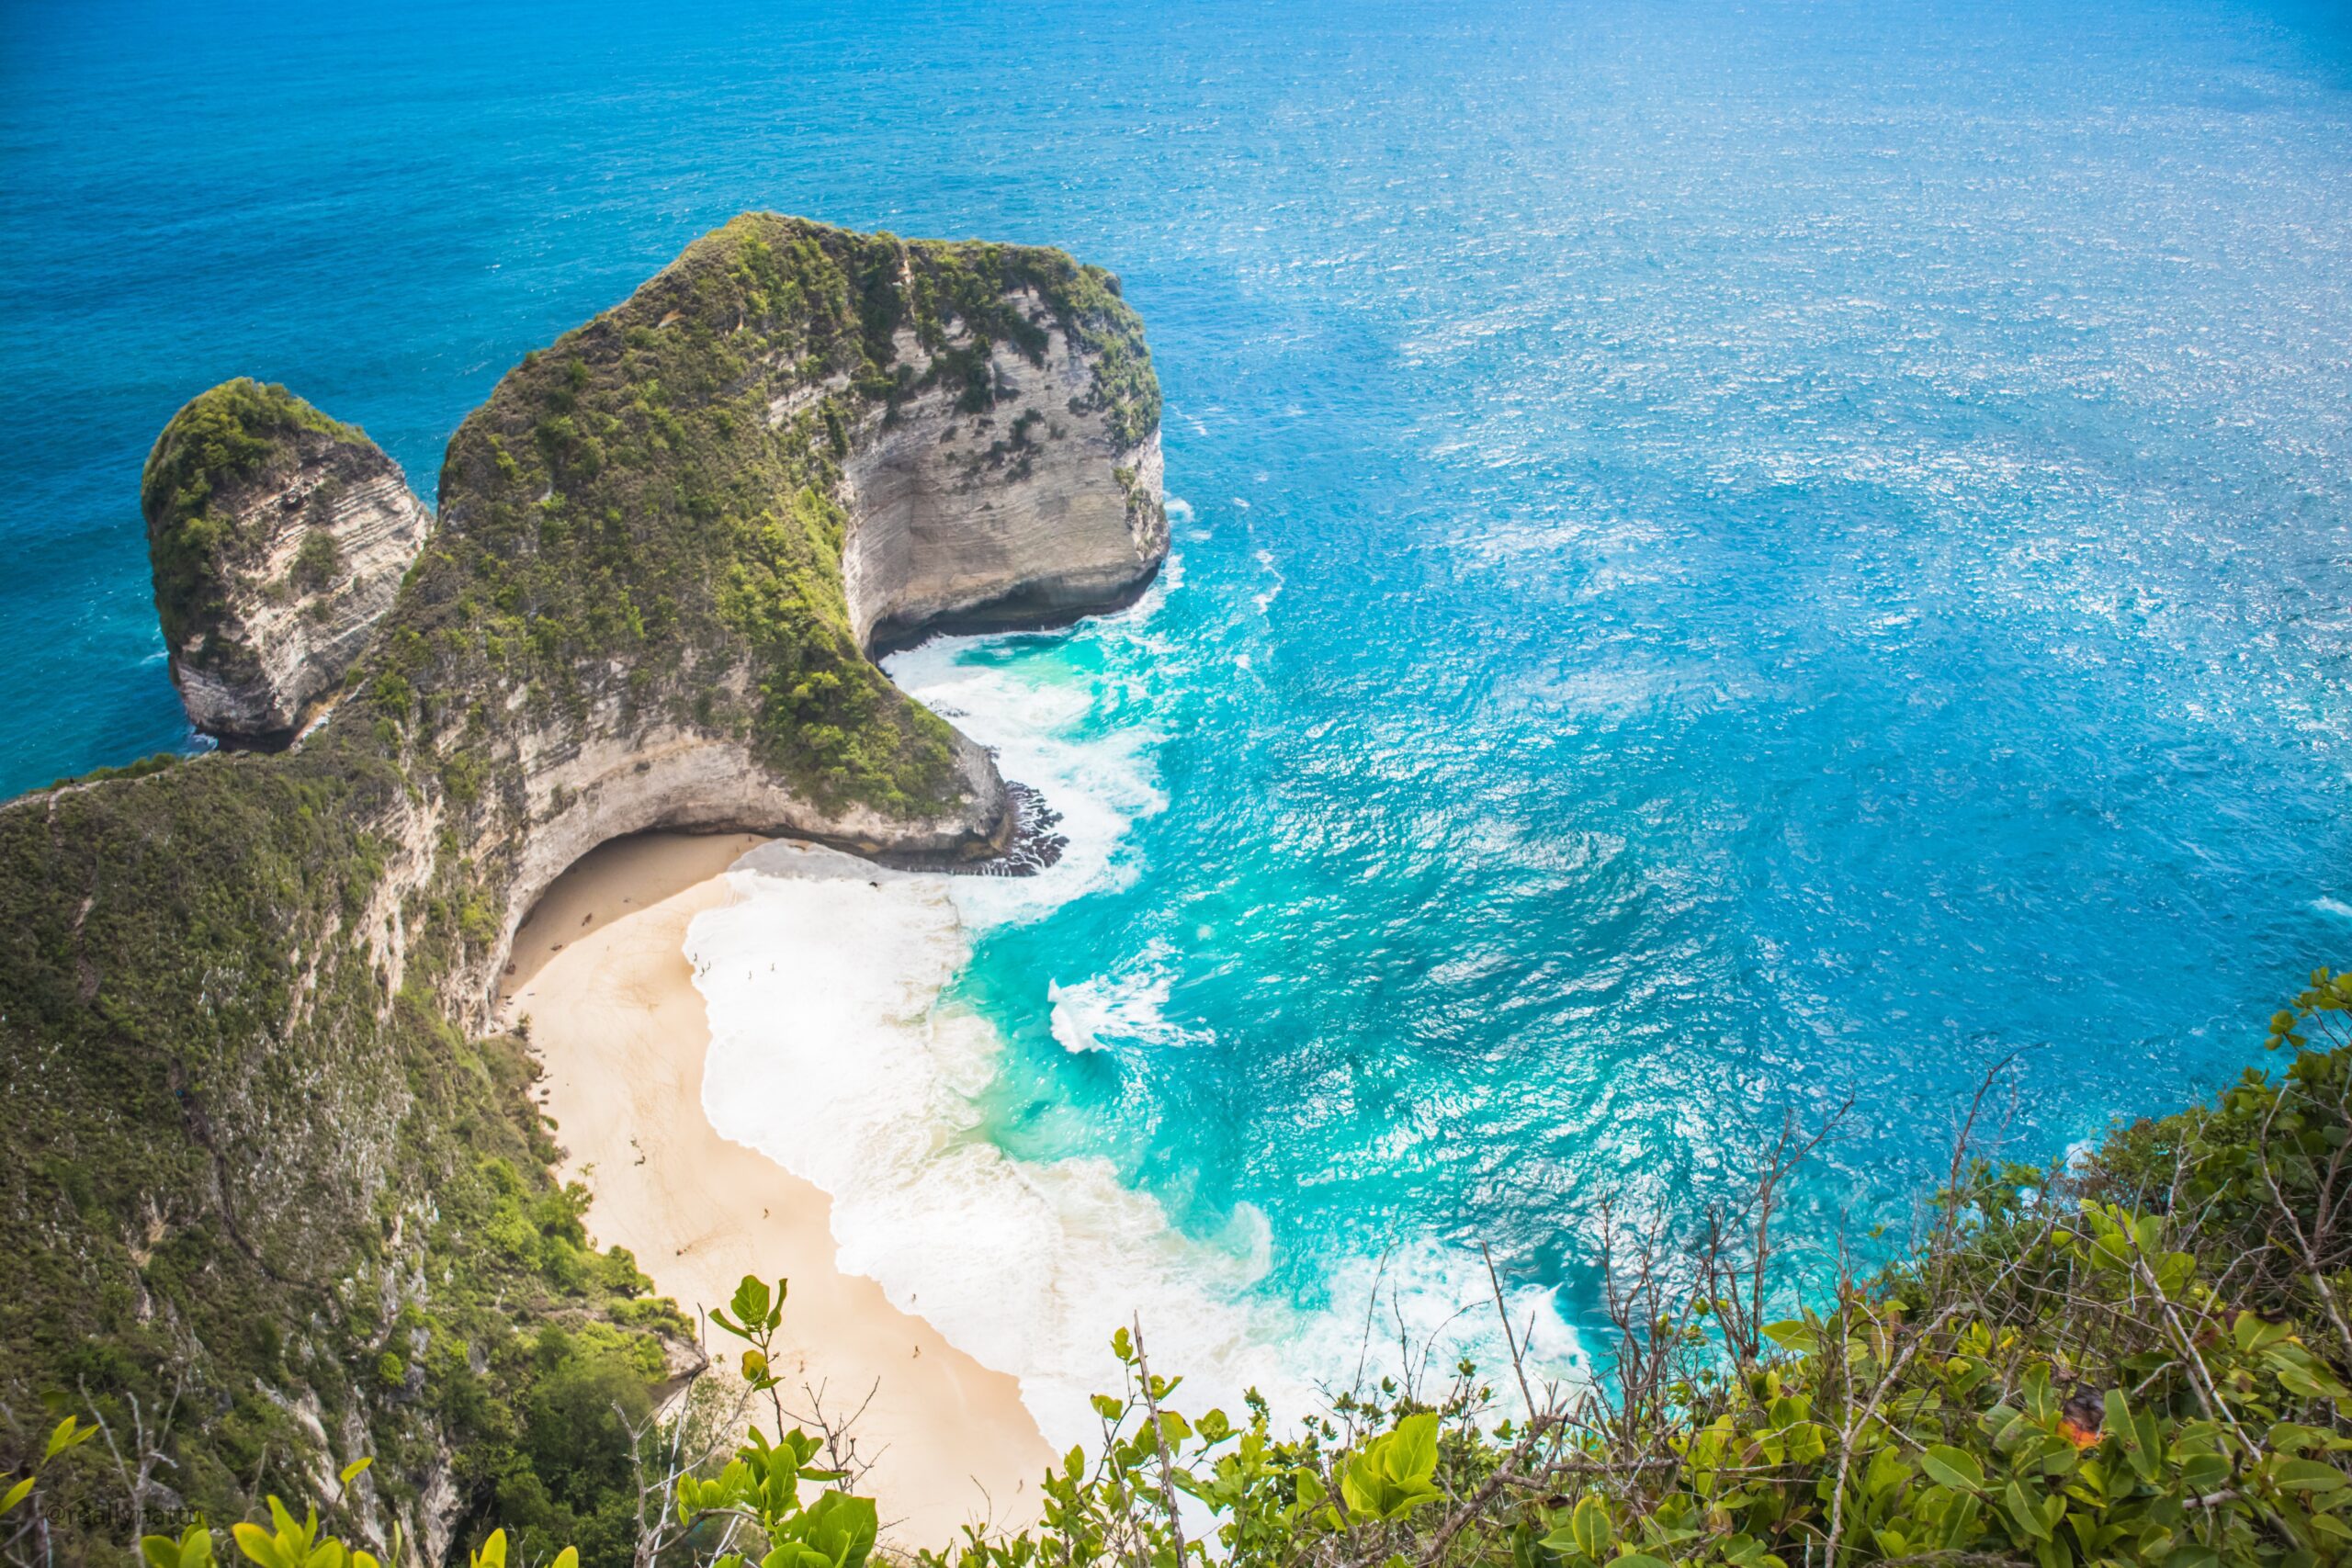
point(376, 1279)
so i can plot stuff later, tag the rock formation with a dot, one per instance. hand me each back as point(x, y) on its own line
point(257, 1147)
point(279, 539)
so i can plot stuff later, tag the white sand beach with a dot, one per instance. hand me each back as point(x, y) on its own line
point(615, 1016)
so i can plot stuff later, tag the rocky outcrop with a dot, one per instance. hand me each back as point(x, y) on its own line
point(972, 440)
point(279, 539)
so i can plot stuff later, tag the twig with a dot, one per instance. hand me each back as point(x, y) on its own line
point(1160, 1443)
point(1518, 1366)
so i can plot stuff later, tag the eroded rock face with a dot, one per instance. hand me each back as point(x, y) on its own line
point(279, 539)
point(1033, 507)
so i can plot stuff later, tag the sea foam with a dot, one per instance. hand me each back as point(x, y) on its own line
point(832, 1053)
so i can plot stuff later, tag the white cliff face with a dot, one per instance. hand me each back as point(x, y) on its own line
point(1030, 511)
point(325, 543)
point(587, 790)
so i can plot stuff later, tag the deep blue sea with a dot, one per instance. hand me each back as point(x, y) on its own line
point(1735, 555)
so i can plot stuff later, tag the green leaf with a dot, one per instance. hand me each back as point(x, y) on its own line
point(2022, 1510)
point(1638, 1560)
point(17, 1494)
point(567, 1558)
point(750, 1302)
point(354, 1468)
point(1390, 1476)
point(1886, 1471)
point(1794, 1333)
point(1955, 1467)
point(2307, 1379)
point(1591, 1527)
point(2252, 1334)
point(2305, 1475)
point(68, 1434)
point(2203, 1473)
point(493, 1550)
point(259, 1545)
point(840, 1528)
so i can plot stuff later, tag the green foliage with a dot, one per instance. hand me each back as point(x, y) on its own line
point(569, 1478)
point(1391, 1475)
point(193, 1549)
point(154, 763)
point(287, 1544)
point(317, 563)
point(261, 1266)
point(2060, 1376)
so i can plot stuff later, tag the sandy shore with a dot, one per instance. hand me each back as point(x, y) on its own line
point(600, 972)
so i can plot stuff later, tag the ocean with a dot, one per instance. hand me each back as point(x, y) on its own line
point(1733, 561)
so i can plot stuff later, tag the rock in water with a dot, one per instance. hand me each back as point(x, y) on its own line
point(279, 539)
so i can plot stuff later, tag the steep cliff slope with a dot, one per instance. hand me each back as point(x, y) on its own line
point(258, 1155)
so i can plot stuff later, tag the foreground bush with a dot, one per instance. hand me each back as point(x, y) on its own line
point(2140, 1358)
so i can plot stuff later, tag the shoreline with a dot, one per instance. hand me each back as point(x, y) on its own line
point(623, 1040)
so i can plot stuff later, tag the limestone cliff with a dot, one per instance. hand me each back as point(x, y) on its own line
point(258, 1151)
point(1000, 514)
point(277, 538)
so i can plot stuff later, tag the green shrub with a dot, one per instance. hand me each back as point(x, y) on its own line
point(317, 563)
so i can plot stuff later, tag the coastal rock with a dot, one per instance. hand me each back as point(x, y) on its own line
point(279, 539)
point(973, 439)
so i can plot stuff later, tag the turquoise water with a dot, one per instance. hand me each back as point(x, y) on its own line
point(1737, 556)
